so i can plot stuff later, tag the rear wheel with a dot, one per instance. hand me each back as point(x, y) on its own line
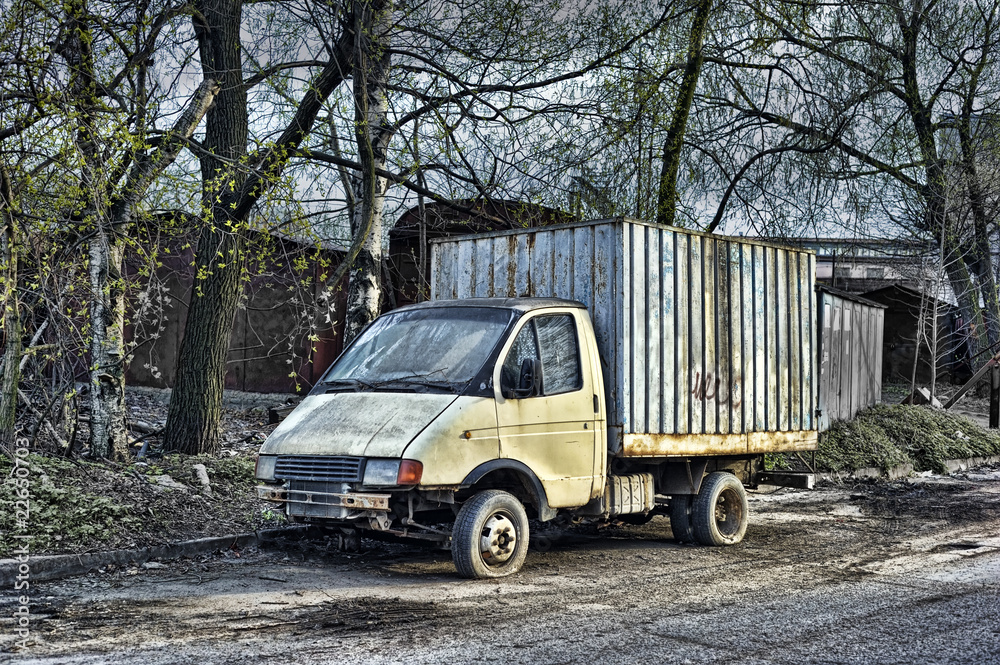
point(721, 511)
point(490, 538)
point(680, 517)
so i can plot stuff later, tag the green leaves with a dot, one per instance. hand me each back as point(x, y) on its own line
point(62, 515)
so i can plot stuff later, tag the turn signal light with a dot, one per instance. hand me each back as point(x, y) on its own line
point(409, 472)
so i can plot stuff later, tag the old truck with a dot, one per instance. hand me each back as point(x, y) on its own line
point(594, 371)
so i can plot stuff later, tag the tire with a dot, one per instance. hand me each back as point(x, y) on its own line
point(721, 511)
point(490, 538)
point(681, 506)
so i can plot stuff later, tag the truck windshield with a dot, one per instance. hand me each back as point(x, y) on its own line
point(425, 349)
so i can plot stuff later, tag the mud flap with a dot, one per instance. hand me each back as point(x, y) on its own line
point(682, 477)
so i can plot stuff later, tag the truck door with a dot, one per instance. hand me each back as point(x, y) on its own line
point(552, 433)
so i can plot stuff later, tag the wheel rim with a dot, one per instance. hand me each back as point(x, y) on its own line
point(498, 540)
point(728, 513)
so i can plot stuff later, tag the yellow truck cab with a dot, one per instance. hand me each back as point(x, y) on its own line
point(442, 402)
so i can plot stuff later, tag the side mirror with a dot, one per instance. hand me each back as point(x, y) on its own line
point(530, 382)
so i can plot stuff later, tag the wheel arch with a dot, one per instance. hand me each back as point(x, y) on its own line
point(511, 475)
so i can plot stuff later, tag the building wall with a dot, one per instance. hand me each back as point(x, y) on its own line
point(270, 349)
point(900, 348)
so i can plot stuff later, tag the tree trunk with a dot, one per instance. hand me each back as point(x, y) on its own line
point(229, 191)
point(666, 201)
point(935, 191)
point(107, 305)
point(371, 66)
point(11, 318)
point(196, 403)
point(107, 345)
point(980, 247)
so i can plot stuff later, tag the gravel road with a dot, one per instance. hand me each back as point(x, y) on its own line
point(875, 573)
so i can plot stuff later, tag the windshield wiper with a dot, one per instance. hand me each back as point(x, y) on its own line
point(448, 386)
point(338, 385)
point(389, 385)
point(409, 383)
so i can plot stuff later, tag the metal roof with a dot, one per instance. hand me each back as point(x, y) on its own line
point(849, 296)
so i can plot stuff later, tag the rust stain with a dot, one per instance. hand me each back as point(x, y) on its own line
point(782, 442)
point(661, 445)
point(354, 501)
point(511, 276)
point(754, 443)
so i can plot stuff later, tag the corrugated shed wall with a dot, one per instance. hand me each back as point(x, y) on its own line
point(698, 333)
point(850, 363)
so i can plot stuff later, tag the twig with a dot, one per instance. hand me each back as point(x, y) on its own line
point(43, 420)
point(31, 345)
point(146, 436)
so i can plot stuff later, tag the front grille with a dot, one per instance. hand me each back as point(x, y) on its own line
point(310, 499)
point(323, 468)
point(314, 492)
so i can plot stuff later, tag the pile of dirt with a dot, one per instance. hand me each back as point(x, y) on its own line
point(77, 505)
point(887, 435)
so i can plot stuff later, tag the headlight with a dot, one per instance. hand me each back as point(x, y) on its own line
point(265, 467)
point(381, 472)
point(386, 472)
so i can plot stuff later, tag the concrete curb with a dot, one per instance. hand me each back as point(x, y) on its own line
point(53, 567)
point(904, 470)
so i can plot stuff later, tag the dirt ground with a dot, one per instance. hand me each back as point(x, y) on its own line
point(904, 572)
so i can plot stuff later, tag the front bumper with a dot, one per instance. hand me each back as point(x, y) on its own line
point(350, 500)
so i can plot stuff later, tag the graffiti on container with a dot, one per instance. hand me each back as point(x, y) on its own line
point(708, 389)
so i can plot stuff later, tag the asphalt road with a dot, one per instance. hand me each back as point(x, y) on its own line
point(902, 573)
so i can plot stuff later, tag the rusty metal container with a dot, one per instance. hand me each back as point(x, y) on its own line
point(850, 360)
point(708, 343)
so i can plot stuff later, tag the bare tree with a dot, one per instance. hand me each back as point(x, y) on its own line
point(883, 83)
point(233, 180)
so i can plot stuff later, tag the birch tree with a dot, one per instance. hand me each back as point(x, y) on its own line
point(81, 110)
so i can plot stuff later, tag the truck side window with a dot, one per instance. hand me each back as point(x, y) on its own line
point(560, 354)
point(555, 337)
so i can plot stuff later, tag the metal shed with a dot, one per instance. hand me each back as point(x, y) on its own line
point(850, 354)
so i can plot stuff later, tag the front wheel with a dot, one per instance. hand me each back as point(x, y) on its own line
point(721, 512)
point(490, 538)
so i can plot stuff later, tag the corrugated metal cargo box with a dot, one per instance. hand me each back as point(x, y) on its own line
point(707, 342)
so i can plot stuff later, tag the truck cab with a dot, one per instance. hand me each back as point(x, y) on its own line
point(451, 421)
